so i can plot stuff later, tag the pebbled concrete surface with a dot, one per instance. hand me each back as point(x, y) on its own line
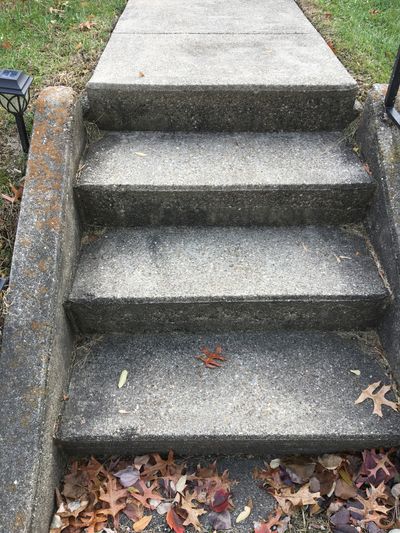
point(194, 278)
point(208, 16)
point(151, 178)
point(251, 78)
point(279, 392)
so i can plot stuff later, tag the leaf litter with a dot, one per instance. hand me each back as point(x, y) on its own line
point(341, 493)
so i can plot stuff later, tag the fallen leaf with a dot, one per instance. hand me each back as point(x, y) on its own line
point(86, 26)
point(330, 461)
point(141, 74)
point(112, 495)
point(128, 477)
point(210, 358)
point(6, 45)
point(193, 512)
point(142, 523)
point(140, 154)
point(220, 501)
point(245, 513)
point(174, 521)
point(147, 493)
point(122, 378)
point(356, 372)
point(377, 397)
point(17, 194)
point(345, 491)
point(220, 521)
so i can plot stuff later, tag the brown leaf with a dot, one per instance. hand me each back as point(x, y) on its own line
point(6, 45)
point(141, 74)
point(377, 397)
point(17, 194)
point(142, 524)
point(147, 493)
point(345, 491)
point(113, 496)
point(192, 511)
point(86, 26)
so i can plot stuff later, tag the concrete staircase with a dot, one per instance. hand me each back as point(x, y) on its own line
point(204, 225)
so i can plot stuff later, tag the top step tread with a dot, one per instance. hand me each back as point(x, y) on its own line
point(275, 62)
point(183, 161)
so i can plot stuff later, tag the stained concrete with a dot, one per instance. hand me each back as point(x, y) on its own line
point(37, 342)
point(150, 178)
point(379, 140)
point(191, 278)
point(278, 392)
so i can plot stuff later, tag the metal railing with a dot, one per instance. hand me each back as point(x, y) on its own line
point(393, 89)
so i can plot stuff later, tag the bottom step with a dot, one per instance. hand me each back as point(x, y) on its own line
point(278, 392)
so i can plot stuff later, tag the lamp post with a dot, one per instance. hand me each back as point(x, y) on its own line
point(14, 97)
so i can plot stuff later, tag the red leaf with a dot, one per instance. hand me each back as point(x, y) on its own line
point(220, 501)
point(174, 522)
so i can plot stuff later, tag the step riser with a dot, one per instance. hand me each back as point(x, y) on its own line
point(99, 317)
point(225, 445)
point(125, 206)
point(191, 109)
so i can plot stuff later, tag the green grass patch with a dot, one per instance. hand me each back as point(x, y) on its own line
point(363, 33)
point(58, 42)
point(55, 41)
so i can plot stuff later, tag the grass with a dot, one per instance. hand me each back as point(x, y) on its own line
point(363, 33)
point(58, 42)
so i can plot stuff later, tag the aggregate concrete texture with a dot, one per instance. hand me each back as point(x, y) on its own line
point(153, 78)
point(181, 277)
point(154, 178)
point(278, 392)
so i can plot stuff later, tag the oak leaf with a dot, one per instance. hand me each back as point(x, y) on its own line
point(192, 511)
point(113, 496)
point(377, 397)
point(146, 493)
point(210, 358)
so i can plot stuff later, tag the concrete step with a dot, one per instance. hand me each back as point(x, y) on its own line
point(211, 66)
point(278, 392)
point(155, 178)
point(191, 279)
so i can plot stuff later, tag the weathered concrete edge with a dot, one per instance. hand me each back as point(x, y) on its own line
point(379, 140)
point(37, 341)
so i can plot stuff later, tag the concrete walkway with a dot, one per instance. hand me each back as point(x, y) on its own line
point(219, 65)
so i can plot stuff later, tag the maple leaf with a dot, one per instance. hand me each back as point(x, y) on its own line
point(112, 495)
point(210, 358)
point(192, 511)
point(146, 493)
point(377, 397)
